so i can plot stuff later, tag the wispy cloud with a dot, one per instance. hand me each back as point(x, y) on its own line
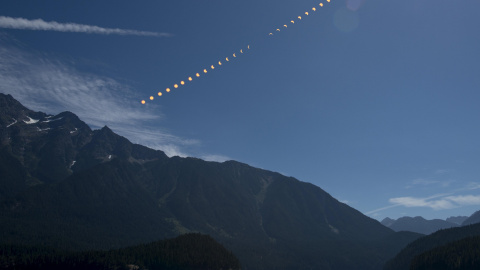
point(436, 202)
point(447, 202)
point(423, 202)
point(41, 25)
point(217, 158)
point(45, 83)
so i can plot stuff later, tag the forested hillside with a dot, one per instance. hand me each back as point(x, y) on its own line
point(459, 255)
point(190, 251)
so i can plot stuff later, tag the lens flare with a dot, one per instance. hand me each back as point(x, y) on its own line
point(159, 94)
point(205, 71)
point(182, 83)
point(143, 101)
point(198, 74)
point(212, 67)
point(168, 90)
point(175, 86)
point(151, 97)
point(190, 78)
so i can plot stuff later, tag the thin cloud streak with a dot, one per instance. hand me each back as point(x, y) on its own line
point(41, 25)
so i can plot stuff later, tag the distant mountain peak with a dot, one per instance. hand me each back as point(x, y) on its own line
point(473, 219)
point(457, 220)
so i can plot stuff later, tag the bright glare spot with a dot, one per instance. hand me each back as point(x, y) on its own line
point(227, 59)
point(234, 55)
point(168, 89)
point(219, 63)
point(285, 26)
point(198, 75)
point(190, 78)
point(248, 47)
point(182, 82)
point(346, 20)
point(278, 30)
point(205, 71)
point(292, 21)
point(328, 1)
point(314, 9)
point(270, 34)
point(306, 13)
point(151, 97)
point(212, 67)
point(159, 94)
point(299, 17)
point(175, 85)
point(241, 51)
point(143, 101)
point(321, 4)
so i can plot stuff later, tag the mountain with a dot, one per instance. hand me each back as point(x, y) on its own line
point(403, 259)
point(387, 222)
point(69, 187)
point(473, 219)
point(189, 251)
point(457, 220)
point(417, 224)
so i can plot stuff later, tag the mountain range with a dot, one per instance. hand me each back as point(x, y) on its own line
point(66, 186)
point(423, 226)
point(419, 224)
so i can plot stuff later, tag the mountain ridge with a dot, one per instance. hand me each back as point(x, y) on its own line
point(94, 189)
point(417, 224)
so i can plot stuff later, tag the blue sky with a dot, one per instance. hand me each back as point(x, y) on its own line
point(374, 101)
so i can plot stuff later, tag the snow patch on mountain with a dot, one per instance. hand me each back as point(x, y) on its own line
point(47, 121)
point(30, 121)
point(15, 121)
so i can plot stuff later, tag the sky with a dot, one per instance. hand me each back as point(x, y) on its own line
point(374, 101)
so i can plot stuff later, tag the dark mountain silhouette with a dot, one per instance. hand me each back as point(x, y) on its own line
point(417, 224)
point(473, 219)
point(66, 186)
point(403, 260)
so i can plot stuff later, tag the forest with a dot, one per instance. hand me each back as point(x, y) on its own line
point(189, 251)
